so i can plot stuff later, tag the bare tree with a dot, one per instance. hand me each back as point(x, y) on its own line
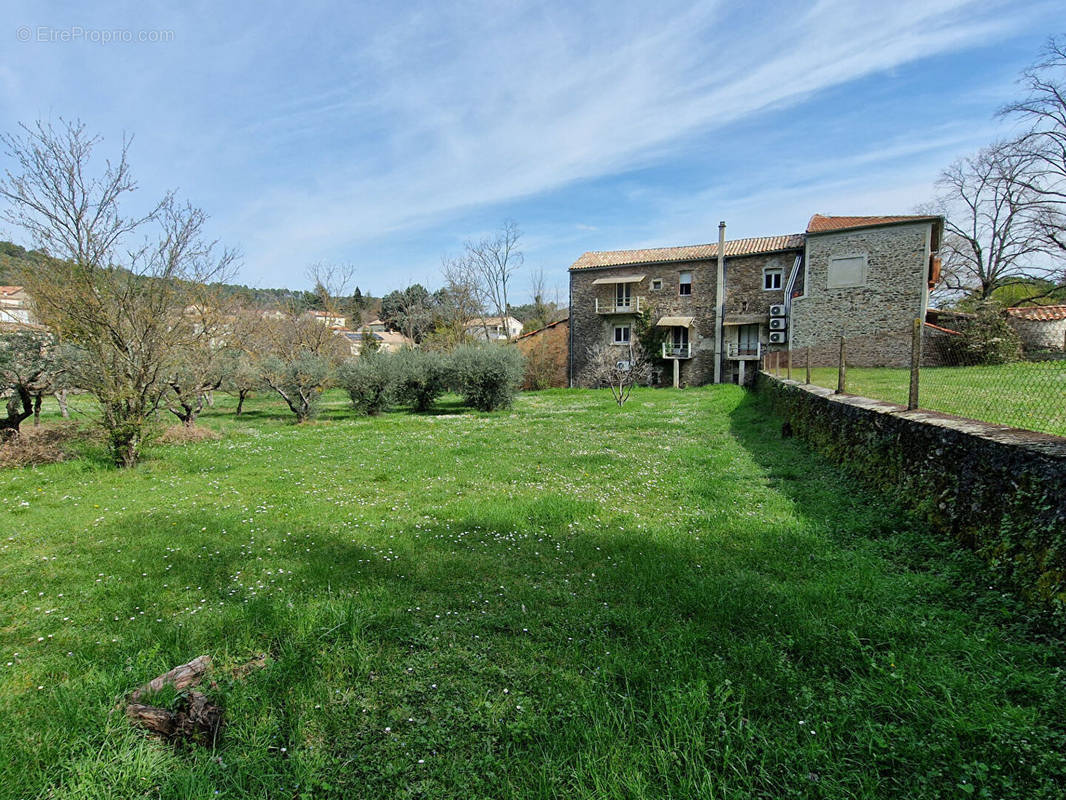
point(490, 264)
point(618, 368)
point(459, 302)
point(122, 307)
point(994, 223)
point(1043, 112)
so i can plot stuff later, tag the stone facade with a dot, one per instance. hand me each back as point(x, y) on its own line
point(746, 303)
point(1040, 334)
point(864, 277)
point(546, 352)
point(877, 313)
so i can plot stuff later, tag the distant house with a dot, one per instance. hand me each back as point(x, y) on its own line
point(387, 341)
point(15, 306)
point(1039, 327)
point(493, 329)
point(545, 350)
point(327, 318)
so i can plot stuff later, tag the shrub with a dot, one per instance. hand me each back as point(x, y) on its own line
point(487, 377)
point(299, 381)
point(370, 381)
point(421, 377)
point(987, 338)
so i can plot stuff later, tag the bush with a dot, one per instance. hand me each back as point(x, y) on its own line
point(370, 381)
point(488, 377)
point(421, 377)
point(987, 338)
point(299, 381)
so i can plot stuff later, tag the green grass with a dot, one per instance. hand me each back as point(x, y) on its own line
point(1029, 395)
point(564, 600)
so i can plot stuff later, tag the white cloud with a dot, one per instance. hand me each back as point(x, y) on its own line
point(497, 103)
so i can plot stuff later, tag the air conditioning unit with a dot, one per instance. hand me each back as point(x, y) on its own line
point(624, 366)
point(778, 324)
point(777, 310)
point(778, 337)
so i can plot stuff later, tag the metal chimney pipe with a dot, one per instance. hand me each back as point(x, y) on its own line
point(719, 304)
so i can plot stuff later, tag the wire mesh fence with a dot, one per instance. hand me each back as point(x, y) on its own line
point(970, 373)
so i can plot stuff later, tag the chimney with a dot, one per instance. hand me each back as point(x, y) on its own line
point(719, 304)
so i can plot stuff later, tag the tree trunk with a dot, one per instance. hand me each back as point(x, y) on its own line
point(15, 417)
point(61, 398)
point(37, 410)
point(243, 393)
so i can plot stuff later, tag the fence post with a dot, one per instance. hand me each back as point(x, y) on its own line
point(788, 367)
point(916, 364)
point(842, 370)
point(808, 365)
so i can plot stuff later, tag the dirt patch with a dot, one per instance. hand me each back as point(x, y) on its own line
point(34, 446)
point(180, 434)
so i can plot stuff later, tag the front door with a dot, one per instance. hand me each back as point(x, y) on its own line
point(622, 295)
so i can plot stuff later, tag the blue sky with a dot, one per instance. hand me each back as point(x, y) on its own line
point(384, 135)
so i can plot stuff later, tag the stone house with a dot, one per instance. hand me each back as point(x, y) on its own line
point(867, 278)
point(1039, 327)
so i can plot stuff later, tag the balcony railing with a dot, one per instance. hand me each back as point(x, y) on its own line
point(631, 305)
point(677, 350)
point(745, 352)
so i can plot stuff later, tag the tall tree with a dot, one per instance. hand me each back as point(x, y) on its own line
point(122, 307)
point(1043, 113)
point(994, 227)
point(490, 264)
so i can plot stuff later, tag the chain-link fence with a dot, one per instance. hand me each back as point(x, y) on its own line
point(980, 372)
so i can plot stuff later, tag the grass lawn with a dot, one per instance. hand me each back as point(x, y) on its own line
point(1028, 395)
point(567, 600)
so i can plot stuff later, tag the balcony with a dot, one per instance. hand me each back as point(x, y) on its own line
point(677, 350)
point(631, 305)
point(744, 352)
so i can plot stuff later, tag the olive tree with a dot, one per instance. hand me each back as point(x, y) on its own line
point(120, 283)
point(27, 362)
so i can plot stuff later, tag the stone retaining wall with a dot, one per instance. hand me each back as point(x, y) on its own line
point(999, 490)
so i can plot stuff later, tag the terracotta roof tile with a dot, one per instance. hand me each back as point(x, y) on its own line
point(821, 224)
point(695, 252)
point(1038, 313)
point(10, 289)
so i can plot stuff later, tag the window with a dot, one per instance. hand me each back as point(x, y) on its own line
point(771, 279)
point(846, 271)
point(656, 284)
point(685, 284)
point(621, 334)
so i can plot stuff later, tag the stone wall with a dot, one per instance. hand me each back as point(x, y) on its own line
point(1040, 334)
point(546, 355)
point(999, 490)
point(876, 316)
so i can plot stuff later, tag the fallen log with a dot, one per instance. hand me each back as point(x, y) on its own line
point(181, 677)
point(194, 717)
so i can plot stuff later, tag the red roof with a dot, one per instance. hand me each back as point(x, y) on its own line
point(546, 327)
point(942, 330)
point(1038, 313)
point(695, 252)
point(10, 289)
point(822, 224)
